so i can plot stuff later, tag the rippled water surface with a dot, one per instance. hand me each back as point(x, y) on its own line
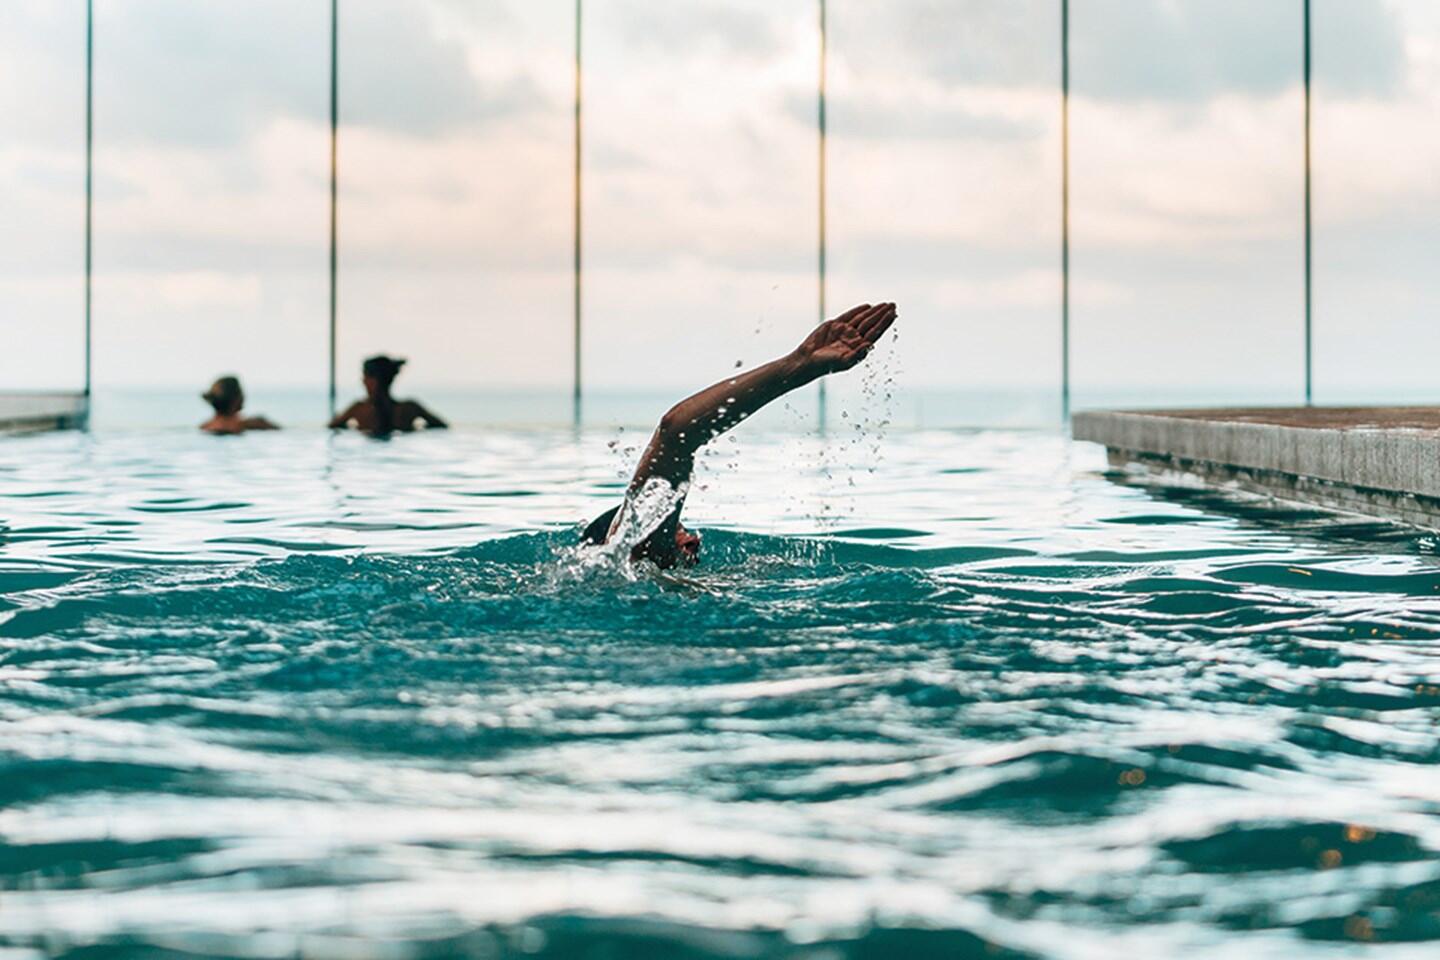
point(936, 695)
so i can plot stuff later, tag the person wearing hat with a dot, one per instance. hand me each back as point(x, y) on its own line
point(379, 413)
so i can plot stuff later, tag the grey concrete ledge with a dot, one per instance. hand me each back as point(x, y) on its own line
point(1378, 461)
point(31, 412)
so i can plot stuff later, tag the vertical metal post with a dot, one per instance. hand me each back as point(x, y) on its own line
point(1309, 273)
point(334, 178)
point(824, 51)
point(1065, 211)
point(579, 92)
point(89, 180)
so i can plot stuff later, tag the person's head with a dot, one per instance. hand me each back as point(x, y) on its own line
point(684, 553)
point(378, 373)
point(225, 396)
point(682, 547)
point(687, 545)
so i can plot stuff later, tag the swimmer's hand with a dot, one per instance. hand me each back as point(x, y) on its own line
point(841, 343)
point(835, 345)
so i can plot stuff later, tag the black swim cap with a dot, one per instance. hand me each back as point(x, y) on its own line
point(382, 368)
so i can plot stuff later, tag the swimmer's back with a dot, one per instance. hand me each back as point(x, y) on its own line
point(405, 416)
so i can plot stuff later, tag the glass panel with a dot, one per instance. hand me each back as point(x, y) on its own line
point(945, 197)
point(700, 167)
point(1187, 146)
point(211, 152)
point(1377, 201)
point(42, 194)
point(456, 160)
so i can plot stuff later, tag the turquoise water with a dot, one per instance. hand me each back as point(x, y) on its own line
point(930, 694)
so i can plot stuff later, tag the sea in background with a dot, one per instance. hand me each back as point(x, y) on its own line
point(920, 408)
point(908, 408)
point(133, 407)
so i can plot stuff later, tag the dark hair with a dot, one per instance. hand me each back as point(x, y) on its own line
point(224, 395)
point(384, 370)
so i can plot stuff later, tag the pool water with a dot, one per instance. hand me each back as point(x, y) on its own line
point(929, 694)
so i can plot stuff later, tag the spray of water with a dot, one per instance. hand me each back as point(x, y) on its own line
point(641, 514)
point(853, 448)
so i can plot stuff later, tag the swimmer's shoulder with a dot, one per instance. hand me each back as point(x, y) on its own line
point(598, 530)
point(410, 412)
point(358, 414)
point(221, 426)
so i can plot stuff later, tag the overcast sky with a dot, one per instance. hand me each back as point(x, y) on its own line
point(700, 178)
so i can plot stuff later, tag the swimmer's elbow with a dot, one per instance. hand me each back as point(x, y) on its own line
point(671, 451)
point(672, 424)
point(677, 432)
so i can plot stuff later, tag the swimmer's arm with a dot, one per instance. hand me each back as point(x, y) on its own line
point(431, 421)
point(342, 419)
point(261, 423)
point(833, 346)
point(694, 421)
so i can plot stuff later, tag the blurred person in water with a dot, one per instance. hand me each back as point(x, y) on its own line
point(227, 399)
point(663, 476)
point(380, 414)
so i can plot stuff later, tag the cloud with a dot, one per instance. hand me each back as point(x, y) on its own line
point(1192, 52)
point(400, 74)
point(1127, 50)
point(872, 117)
point(42, 75)
point(700, 182)
point(961, 42)
point(686, 27)
point(175, 71)
point(1217, 174)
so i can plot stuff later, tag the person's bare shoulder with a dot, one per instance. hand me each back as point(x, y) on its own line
point(219, 427)
point(342, 419)
point(412, 413)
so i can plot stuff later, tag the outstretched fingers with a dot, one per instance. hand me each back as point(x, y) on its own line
point(853, 322)
point(850, 315)
point(872, 325)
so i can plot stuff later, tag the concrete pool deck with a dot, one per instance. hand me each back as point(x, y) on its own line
point(1377, 461)
point(32, 412)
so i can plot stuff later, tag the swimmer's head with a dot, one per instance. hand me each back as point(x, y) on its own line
point(379, 372)
point(225, 396)
point(684, 553)
point(682, 547)
point(687, 545)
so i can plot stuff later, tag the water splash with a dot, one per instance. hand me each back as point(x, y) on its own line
point(641, 513)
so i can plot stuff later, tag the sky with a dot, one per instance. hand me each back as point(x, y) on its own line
point(700, 163)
